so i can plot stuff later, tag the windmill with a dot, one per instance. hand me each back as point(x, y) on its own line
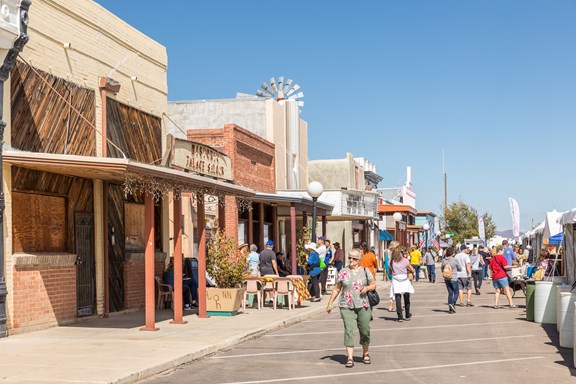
point(281, 90)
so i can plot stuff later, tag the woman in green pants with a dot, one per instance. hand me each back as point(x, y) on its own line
point(354, 281)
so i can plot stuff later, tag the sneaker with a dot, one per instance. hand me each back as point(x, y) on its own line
point(496, 307)
point(400, 320)
point(477, 291)
point(452, 308)
point(513, 306)
point(188, 307)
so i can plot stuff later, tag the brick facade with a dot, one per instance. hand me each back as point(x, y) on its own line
point(44, 291)
point(134, 273)
point(253, 162)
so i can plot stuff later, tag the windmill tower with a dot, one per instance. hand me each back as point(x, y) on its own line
point(287, 93)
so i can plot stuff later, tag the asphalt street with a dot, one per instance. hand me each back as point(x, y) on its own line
point(478, 344)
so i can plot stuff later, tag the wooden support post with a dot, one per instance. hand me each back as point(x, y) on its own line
point(177, 208)
point(293, 238)
point(149, 263)
point(200, 211)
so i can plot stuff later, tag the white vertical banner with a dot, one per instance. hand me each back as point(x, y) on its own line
point(515, 212)
point(481, 231)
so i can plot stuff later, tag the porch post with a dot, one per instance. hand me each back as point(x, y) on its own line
point(293, 237)
point(323, 225)
point(200, 211)
point(149, 263)
point(221, 215)
point(250, 226)
point(261, 225)
point(177, 207)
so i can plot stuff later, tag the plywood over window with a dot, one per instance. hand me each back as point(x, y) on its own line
point(39, 223)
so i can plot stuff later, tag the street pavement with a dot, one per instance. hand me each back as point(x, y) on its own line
point(478, 344)
point(260, 346)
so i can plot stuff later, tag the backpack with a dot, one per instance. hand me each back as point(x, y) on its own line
point(322, 264)
point(447, 272)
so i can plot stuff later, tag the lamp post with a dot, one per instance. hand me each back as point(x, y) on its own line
point(426, 228)
point(397, 217)
point(13, 37)
point(314, 189)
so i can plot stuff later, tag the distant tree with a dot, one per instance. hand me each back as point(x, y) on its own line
point(462, 220)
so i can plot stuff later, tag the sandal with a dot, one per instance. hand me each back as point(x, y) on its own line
point(366, 358)
point(349, 363)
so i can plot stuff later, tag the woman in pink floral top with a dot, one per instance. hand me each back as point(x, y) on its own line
point(354, 281)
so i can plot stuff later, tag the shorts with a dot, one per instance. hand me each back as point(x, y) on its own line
point(464, 284)
point(500, 283)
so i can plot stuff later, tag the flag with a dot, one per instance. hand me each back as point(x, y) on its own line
point(515, 212)
point(481, 232)
point(435, 244)
point(420, 244)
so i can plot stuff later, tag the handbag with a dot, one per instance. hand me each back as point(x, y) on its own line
point(373, 296)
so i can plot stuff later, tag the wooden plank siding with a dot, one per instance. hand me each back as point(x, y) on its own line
point(42, 119)
point(78, 193)
point(138, 134)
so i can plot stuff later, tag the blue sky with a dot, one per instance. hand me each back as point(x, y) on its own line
point(491, 84)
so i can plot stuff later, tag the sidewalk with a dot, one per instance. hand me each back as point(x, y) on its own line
point(114, 350)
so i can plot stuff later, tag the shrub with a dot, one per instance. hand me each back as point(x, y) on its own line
point(224, 262)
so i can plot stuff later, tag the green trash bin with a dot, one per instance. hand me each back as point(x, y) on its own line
point(530, 288)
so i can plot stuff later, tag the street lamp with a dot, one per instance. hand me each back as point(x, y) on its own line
point(397, 217)
point(426, 227)
point(314, 189)
point(13, 37)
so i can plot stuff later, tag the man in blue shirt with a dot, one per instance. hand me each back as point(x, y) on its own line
point(508, 252)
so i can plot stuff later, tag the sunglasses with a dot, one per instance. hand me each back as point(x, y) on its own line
point(354, 258)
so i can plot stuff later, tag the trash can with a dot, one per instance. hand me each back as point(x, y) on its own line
point(530, 287)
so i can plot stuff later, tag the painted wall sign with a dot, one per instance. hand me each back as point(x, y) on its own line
point(201, 159)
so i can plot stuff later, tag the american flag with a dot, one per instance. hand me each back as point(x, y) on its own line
point(435, 244)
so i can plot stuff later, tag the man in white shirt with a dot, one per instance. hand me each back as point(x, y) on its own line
point(464, 276)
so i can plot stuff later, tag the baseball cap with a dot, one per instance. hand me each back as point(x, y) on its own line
point(323, 238)
point(480, 246)
point(269, 243)
point(463, 247)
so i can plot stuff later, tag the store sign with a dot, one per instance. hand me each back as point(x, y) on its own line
point(359, 204)
point(201, 159)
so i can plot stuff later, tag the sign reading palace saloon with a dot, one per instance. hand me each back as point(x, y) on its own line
point(199, 158)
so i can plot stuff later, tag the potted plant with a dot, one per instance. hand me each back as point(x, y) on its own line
point(227, 267)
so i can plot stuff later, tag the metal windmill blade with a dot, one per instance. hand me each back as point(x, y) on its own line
point(273, 84)
point(296, 96)
point(294, 88)
point(267, 89)
point(287, 85)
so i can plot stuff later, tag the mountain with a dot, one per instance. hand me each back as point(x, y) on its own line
point(507, 233)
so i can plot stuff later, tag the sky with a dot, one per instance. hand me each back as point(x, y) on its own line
point(482, 91)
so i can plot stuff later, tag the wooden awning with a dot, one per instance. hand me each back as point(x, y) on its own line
point(117, 170)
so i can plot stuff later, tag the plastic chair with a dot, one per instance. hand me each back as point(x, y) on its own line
point(269, 286)
point(284, 287)
point(253, 287)
point(165, 293)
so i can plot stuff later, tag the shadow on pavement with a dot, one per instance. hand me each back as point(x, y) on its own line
point(565, 353)
point(124, 320)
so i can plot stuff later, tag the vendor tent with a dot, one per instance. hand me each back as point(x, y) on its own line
point(551, 226)
point(568, 223)
point(556, 239)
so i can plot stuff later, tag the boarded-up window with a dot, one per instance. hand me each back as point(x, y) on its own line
point(134, 221)
point(39, 223)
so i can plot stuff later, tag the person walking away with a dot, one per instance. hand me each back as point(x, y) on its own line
point(415, 260)
point(268, 265)
point(338, 256)
point(400, 266)
point(486, 256)
point(354, 282)
point(313, 267)
point(368, 259)
point(430, 261)
point(388, 253)
point(499, 266)
point(450, 268)
point(477, 265)
point(253, 261)
point(464, 276)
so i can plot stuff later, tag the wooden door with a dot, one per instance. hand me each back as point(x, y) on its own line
point(85, 265)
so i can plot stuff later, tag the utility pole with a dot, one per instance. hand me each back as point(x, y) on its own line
point(14, 14)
